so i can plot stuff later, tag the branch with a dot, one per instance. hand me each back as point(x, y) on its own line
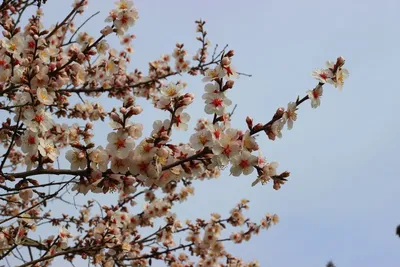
point(73, 250)
point(64, 21)
point(37, 204)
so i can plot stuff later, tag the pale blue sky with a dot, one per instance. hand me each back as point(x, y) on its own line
point(342, 199)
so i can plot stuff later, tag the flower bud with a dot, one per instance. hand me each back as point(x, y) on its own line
point(115, 117)
point(340, 62)
point(230, 53)
point(228, 85)
point(89, 125)
point(249, 122)
point(136, 110)
point(225, 61)
point(52, 66)
point(81, 56)
point(106, 30)
point(279, 113)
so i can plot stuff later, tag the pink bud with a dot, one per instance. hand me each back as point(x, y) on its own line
point(81, 56)
point(115, 117)
point(52, 66)
point(249, 122)
point(106, 31)
point(136, 110)
point(162, 152)
point(226, 61)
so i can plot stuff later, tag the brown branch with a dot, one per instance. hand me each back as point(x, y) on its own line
point(276, 118)
point(73, 250)
point(64, 21)
point(37, 204)
point(11, 143)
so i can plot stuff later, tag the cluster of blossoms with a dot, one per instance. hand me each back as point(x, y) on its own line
point(42, 75)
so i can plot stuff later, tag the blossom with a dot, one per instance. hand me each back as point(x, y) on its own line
point(47, 149)
point(125, 19)
point(119, 165)
point(22, 98)
point(30, 142)
point(127, 39)
point(102, 47)
point(225, 148)
point(340, 73)
point(181, 119)
point(30, 161)
point(290, 114)
point(44, 97)
point(99, 159)
point(135, 130)
point(340, 76)
point(40, 80)
point(120, 144)
point(215, 100)
point(15, 45)
point(277, 127)
point(160, 127)
point(323, 75)
point(201, 139)
point(77, 158)
point(243, 163)
point(39, 120)
point(123, 4)
point(268, 171)
point(171, 90)
point(315, 96)
point(213, 74)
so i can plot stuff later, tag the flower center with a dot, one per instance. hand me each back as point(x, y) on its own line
point(39, 118)
point(31, 140)
point(120, 143)
point(217, 102)
point(315, 94)
point(244, 163)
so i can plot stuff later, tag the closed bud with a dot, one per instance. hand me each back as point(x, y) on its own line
point(122, 110)
point(230, 53)
point(285, 174)
point(228, 85)
point(279, 113)
point(249, 122)
point(89, 125)
point(225, 61)
point(52, 66)
point(106, 31)
point(115, 117)
point(136, 110)
point(340, 62)
point(81, 56)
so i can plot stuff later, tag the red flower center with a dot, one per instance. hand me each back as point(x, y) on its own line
point(244, 163)
point(39, 118)
point(217, 102)
point(31, 140)
point(315, 94)
point(120, 143)
point(227, 150)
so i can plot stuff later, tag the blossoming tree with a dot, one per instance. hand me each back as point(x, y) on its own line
point(49, 80)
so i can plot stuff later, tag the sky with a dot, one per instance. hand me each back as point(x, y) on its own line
point(341, 200)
